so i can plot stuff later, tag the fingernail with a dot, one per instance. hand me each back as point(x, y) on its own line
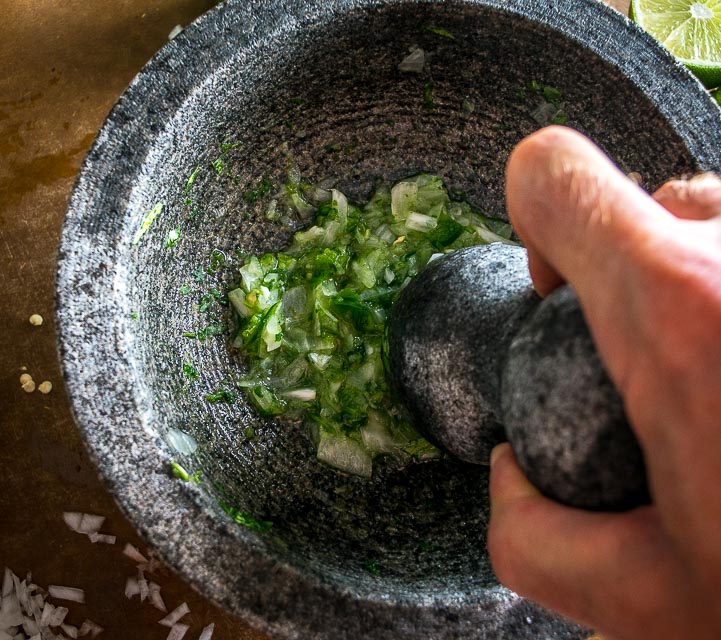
point(497, 451)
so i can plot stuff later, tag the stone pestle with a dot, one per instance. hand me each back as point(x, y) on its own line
point(477, 358)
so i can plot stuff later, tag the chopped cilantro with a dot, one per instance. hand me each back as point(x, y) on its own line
point(199, 275)
point(189, 371)
point(250, 433)
point(147, 221)
point(191, 180)
point(214, 329)
point(371, 567)
point(428, 95)
point(444, 33)
point(221, 395)
point(134, 315)
point(185, 289)
point(245, 519)
point(182, 474)
point(217, 260)
point(253, 195)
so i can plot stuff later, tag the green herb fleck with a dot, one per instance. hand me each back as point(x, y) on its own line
point(297, 100)
point(191, 180)
point(189, 371)
point(185, 289)
point(134, 315)
point(428, 95)
point(147, 221)
point(173, 237)
point(179, 472)
point(189, 334)
point(253, 195)
point(250, 433)
point(214, 329)
point(444, 33)
point(425, 546)
point(218, 166)
point(221, 395)
point(183, 475)
point(371, 567)
point(217, 260)
point(245, 519)
point(199, 274)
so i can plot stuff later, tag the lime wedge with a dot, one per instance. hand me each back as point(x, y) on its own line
point(689, 29)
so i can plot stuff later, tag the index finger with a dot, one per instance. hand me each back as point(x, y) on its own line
point(584, 222)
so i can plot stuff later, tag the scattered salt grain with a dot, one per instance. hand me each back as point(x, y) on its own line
point(66, 593)
point(175, 615)
point(45, 387)
point(36, 319)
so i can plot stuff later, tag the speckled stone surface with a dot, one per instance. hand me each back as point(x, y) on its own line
point(564, 416)
point(448, 336)
point(317, 84)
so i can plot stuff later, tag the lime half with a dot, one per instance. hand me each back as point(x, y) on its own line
point(689, 29)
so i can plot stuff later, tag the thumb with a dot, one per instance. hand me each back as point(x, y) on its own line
point(612, 572)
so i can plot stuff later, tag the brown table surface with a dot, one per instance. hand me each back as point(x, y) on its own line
point(63, 63)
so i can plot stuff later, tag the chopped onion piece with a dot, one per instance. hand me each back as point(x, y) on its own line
point(177, 631)
point(133, 553)
point(90, 523)
point(413, 62)
point(181, 441)
point(345, 454)
point(131, 587)
point(69, 630)
point(175, 31)
point(304, 395)
point(5, 636)
point(143, 587)
point(30, 627)
point(175, 615)
point(90, 627)
point(7, 583)
point(102, 537)
point(421, 222)
point(73, 519)
point(66, 593)
point(207, 632)
point(53, 616)
point(155, 598)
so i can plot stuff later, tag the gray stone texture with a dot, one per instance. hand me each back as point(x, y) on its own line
point(448, 336)
point(564, 416)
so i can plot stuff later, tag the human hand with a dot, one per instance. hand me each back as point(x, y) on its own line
point(647, 271)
